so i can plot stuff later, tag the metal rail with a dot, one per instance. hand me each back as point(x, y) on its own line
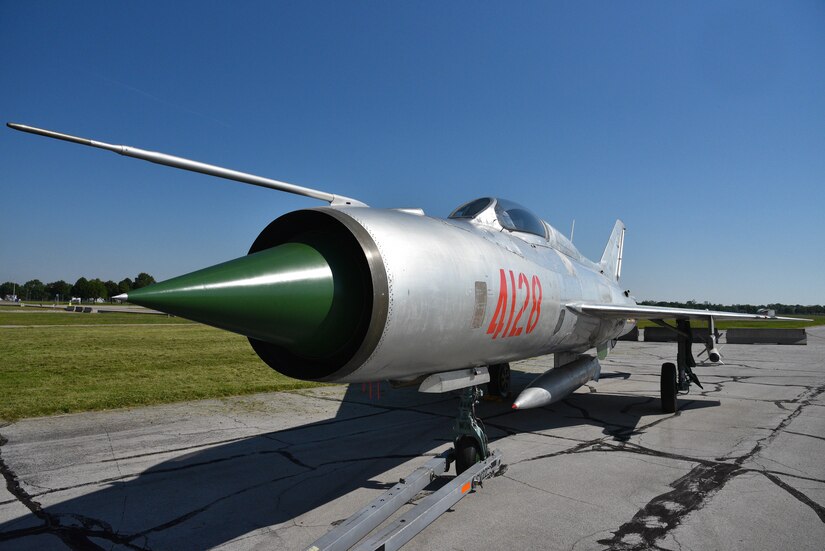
point(350, 532)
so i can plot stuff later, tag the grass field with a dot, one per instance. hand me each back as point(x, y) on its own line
point(27, 316)
point(55, 362)
point(60, 362)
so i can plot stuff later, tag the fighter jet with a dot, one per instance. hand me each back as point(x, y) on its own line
point(347, 293)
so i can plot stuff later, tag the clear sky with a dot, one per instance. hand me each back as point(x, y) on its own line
point(701, 125)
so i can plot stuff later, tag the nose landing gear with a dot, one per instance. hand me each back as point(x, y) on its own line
point(471, 440)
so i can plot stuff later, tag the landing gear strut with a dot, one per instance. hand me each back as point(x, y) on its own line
point(499, 384)
point(677, 378)
point(471, 440)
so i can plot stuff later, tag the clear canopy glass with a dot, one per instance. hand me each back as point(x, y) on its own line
point(510, 215)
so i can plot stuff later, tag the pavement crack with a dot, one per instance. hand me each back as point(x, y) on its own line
point(802, 403)
point(691, 492)
point(641, 450)
point(292, 459)
point(159, 471)
point(513, 432)
point(626, 410)
point(74, 537)
point(386, 407)
point(816, 507)
point(546, 491)
point(803, 434)
point(112, 450)
point(581, 448)
point(666, 511)
point(174, 450)
point(194, 512)
point(618, 431)
point(791, 475)
point(376, 457)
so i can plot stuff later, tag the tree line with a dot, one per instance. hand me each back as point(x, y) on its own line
point(746, 308)
point(83, 288)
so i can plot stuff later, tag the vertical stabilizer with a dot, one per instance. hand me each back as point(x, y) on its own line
point(611, 262)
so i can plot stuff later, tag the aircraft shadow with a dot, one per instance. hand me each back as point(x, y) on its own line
point(617, 414)
point(220, 492)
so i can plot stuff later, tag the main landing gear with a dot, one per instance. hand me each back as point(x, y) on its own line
point(499, 385)
point(677, 378)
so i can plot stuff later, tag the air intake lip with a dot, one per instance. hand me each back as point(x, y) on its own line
point(359, 314)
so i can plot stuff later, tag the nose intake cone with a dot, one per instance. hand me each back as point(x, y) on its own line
point(284, 295)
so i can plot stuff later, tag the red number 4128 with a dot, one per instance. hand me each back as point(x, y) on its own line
point(507, 320)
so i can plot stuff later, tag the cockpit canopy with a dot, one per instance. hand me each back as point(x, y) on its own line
point(510, 215)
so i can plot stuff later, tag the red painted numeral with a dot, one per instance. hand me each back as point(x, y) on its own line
point(507, 301)
point(501, 308)
point(516, 329)
point(536, 309)
point(512, 306)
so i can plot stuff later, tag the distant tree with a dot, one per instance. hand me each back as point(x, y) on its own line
point(142, 280)
point(8, 288)
point(34, 290)
point(112, 289)
point(82, 289)
point(98, 288)
point(746, 308)
point(59, 288)
point(125, 286)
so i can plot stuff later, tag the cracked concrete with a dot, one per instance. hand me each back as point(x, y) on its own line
point(738, 466)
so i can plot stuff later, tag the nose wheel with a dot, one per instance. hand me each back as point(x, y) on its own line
point(471, 440)
point(467, 453)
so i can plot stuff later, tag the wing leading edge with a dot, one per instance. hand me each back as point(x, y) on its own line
point(615, 311)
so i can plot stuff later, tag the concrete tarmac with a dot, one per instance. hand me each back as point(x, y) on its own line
point(739, 466)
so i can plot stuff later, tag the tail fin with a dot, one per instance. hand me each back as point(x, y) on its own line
point(611, 262)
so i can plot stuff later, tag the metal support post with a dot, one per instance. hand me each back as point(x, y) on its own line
point(684, 356)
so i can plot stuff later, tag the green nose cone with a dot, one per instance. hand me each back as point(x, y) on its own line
point(285, 295)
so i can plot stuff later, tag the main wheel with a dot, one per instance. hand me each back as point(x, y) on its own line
point(499, 384)
point(668, 387)
point(467, 453)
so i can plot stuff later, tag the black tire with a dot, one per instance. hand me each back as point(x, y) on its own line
point(499, 384)
point(467, 453)
point(668, 387)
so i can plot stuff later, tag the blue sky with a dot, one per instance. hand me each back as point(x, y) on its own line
point(701, 125)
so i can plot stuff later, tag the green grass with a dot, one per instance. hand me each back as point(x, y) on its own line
point(47, 370)
point(817, 320)
point(27, 316)
point(61, 362)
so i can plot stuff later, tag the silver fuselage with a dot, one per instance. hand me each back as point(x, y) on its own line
point(461, 294)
